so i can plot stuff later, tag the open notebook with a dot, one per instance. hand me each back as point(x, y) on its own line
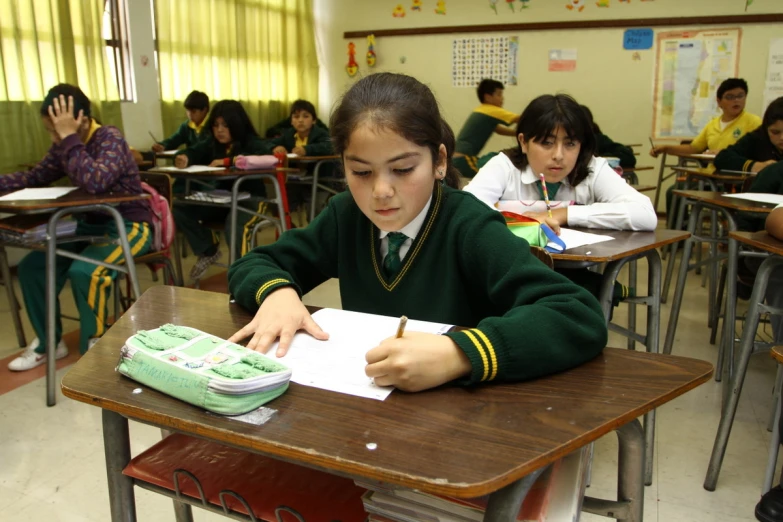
point(338, 364)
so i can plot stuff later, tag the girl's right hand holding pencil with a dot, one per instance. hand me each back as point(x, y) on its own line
point(282, 314)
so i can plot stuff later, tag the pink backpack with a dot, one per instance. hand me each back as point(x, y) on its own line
point(162, 220)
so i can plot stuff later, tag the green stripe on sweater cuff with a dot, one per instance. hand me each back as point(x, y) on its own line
point(480, 352)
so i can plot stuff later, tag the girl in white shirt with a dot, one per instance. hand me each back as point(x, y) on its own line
point(555, 138)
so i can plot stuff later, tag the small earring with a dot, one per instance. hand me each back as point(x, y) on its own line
point(440, 173)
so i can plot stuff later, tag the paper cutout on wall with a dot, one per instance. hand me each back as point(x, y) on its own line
point(562, 60)
point(748, 3)
point(352, 66)
point(602, 3)
point(399, 11)
point(524, 4)
point(441, 7)
point(371, 50)
point(634, 39)
point(494, 5)
point(416, 5)
point(474, 59)
point(636, 56)
point(576, 5)
point(510, 4)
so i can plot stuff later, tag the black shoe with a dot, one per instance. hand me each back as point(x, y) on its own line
point(770, 507)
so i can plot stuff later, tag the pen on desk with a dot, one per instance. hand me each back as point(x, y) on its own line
point(546, 195)
point(401, 328)
point(153, 137)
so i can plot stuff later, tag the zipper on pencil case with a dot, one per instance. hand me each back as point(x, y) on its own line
point(126, 352)
point(253, 385)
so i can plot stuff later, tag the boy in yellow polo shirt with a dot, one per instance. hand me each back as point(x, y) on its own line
point(722, 131)
point(485, 119)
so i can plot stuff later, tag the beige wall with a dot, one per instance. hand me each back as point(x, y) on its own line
point(618, 90)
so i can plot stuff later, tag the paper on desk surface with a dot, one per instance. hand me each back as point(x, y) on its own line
point(292, 155)
point(29, 194)
point(193, 169)
point(338, 364)
point(575, 238)
point(775, 199)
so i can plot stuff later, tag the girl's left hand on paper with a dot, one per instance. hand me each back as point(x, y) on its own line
point(553, 222)
point(63, 119)
point(281, 315)
point(181, 161)
point(218, 163)
point(416, 361)
point(299, 151)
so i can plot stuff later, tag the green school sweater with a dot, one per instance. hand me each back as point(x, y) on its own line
point(209, 149)
point(184, 135)
point(769, 181)
point(609, 148)
point(752, 147)
point(319, 143)
point(464, 268)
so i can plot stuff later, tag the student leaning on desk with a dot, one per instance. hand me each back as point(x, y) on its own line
point(759, 148)
point(555, 139)
point(403, 242)
point(191, 130)
point(231, 134)
point(97, 159)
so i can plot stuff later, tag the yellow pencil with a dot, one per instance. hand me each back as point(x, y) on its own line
point(546, 195)
point(401, 328)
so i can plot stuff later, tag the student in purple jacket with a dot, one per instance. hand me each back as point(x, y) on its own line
point(96, 159)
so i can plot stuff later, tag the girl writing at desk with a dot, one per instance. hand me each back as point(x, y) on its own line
point(96, 158)
point(758, 149)
point(403, 240)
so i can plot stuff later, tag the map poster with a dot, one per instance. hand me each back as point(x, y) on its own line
point(473, 59)
point(690, 65)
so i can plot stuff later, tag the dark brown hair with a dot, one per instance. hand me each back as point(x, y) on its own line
point(400, 104)
point(542, 117)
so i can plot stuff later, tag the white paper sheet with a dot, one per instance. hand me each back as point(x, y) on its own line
point(292, 155)
point(29, 194)
point(708, 157)
point(172, 152)
point(576, 238)
point(775, 199)
point(338, 364)
point(193, 169)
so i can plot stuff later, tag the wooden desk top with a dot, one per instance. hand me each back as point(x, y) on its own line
point(454, 441)
point(624, 244)
point(717, 175)
point(312, 159)
point(73, 199)
point(224, 174)
point(636, 169)
point(718, 199)
point(777, 353)
point(760, 240)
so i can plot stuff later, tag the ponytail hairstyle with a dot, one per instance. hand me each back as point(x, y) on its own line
point(541, 119)
point(400, 104)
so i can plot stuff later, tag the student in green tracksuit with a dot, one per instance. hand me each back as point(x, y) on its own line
point(757, 149)
point(400, 241)
point(191, 130)
point(607, 148)
point(232, 135)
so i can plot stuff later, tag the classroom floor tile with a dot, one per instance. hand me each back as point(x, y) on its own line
point(52, 463)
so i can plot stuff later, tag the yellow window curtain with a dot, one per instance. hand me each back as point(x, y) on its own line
point(43, 43)
point(259, 52)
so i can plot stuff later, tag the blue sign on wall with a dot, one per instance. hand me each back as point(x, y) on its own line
point(638, 39)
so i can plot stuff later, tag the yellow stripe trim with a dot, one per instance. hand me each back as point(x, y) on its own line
point(414, 250)
point(491, 350)
point(108, 259)
point(266, 286)
point(480, 350)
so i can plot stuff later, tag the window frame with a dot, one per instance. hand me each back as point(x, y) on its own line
point(119, 44)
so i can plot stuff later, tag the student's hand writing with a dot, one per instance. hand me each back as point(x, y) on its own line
point(63, 120)
point(157, 148)
point(559, 217)
point(761, 165)
point(218, 163)
point(181, 161)
point(281, 315)
point(279, 150)
point(655, 151)
point(299, 151)
point(416, 361)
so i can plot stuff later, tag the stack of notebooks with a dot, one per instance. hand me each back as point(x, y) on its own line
point(555, 497)
point(30, 229)
point(216, 196)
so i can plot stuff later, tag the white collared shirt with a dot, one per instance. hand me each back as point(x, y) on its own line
point(411, 230)
point(603, 199)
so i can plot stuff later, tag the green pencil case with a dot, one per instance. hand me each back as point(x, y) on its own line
point(202, 369)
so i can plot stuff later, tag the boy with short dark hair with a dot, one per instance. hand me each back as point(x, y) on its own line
point(190, 132)
point(304, 138)
point(485, 119)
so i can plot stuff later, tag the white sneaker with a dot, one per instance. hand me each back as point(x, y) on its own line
point(29, 358)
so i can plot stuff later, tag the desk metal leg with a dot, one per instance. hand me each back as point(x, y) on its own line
point(738, 377)
point(314, 190)
point(632, 283)
point(504, 504)
point(654, 273)
point(13, 304)
point(660, 181)
point(726, 344)
point(629, 506)
point(116, 445)
point(673, 252)
point(682, 275)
